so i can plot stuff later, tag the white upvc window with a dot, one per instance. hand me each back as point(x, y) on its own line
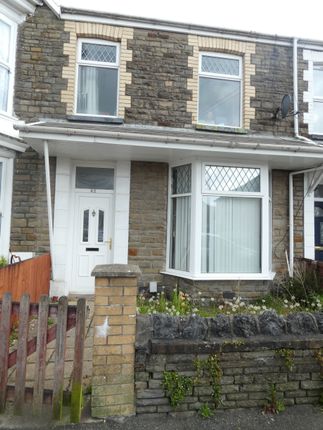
point(180, 218)
point(219, 221)
point(8, 30)
point(317, 115)
point(97, 78)
point(220, 90)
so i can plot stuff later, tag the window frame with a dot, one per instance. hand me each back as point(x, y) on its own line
point(316, 99)
point(80, 62)
point(10, 65)
point(99, 165)
point(219, 76)
point(197, 193)
point(172, 198)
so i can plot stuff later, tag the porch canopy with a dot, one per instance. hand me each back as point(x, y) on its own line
point(95, 141)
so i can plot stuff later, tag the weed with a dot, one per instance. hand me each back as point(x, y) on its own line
point(288, 356)
point(3, 261)
point(176, 387)
point(205, 411)
point(212, 367)
point(273, 405)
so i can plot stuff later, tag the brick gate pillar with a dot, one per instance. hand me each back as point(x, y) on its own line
point(114, 340)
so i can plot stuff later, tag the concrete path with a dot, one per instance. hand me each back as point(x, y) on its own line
point(294, 418)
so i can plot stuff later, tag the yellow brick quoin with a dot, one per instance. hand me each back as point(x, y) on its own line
point(243, 49)
point(96, 31)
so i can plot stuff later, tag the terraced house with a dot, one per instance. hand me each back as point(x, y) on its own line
point(191, 151)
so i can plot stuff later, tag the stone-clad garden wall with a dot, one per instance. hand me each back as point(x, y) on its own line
point(253, 352)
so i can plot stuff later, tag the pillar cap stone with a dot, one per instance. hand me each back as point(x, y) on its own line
point(116, 271)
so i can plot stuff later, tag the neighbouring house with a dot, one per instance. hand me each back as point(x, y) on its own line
point(12, 14)
point(191, 151)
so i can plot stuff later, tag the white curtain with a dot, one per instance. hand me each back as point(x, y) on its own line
point(231, 235)
point(181, 233)
point(88, 91)
point(5, 41)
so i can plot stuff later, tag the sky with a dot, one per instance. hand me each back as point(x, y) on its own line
point(282, 17)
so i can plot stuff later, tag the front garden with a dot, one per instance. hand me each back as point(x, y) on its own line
point(200, 354)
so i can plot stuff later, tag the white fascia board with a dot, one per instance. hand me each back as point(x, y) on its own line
point(168, 27)
point(12, 144)
point(118, 141)
point(17, 10)
point(54, 7)
point(185, 29)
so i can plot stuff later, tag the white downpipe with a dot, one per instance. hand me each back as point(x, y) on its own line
point(49, 207)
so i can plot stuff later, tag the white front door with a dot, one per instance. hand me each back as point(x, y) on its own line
point(92, 238)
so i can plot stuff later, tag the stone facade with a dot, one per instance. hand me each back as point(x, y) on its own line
point(280, 222)
point(217, 289)
point(148, 218)
point(251, 353)
point(29, 225)
point(272, 80)
point(159, 68)
point(40, 61)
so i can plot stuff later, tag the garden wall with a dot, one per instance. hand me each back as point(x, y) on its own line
point(253, 352)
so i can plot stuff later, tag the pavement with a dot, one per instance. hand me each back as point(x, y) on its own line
point(302, 417)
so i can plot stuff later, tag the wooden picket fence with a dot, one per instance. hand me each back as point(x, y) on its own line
point(66, 318)
point(30, 276)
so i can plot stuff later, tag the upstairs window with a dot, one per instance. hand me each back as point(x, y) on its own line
point(317, 125)
point(7, 57)
point(98, 76)
point(220, 86)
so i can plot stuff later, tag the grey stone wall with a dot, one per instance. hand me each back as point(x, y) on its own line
point(159, 79)
point(148, 218)
point(280, 218)
point(29, 226)
point(280, 222)
point(218, 289)
point(248, 352)
point(272, 80)
point(39, 64)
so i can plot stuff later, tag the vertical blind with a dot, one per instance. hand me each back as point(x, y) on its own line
point(180, 218)
point(231, 235)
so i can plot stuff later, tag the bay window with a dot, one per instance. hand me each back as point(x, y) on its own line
point(180, 217)
point(98, 76)
point(229, 237)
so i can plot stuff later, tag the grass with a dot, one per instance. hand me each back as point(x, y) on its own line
point(182, 304)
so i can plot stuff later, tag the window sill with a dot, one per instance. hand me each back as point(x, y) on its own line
point(221, 276)
point(97, 119)
point(220, 129)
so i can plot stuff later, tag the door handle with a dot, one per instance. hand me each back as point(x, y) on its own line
point(319, 248)
point(109, 243)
